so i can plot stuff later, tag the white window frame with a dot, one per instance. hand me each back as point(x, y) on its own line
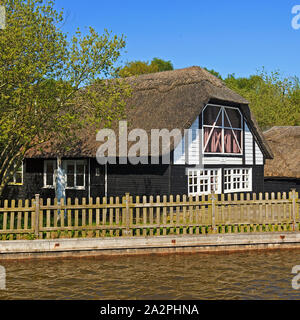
point(45, 173)
point(13, 181)
point(64, 166)
point(204, 175)
point(75, 162)
point(214, 126)
point(237, 175)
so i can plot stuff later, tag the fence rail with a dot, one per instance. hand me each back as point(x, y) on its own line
point(148, 216)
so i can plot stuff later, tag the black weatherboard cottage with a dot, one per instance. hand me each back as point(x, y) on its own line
point(229, 142)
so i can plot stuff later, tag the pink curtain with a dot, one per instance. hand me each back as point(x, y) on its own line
point(215, 141)
point(236, 148)
point(230, 144)
point(206, 135)
point(227, 141)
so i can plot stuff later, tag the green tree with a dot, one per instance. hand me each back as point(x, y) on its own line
point(42, 75)
point(135, 68)
point(214, 73)
point(162, 65)
point(274, 99)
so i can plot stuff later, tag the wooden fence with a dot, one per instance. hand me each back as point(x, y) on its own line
point(142, 216)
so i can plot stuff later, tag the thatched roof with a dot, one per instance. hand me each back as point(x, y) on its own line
point(169, 99)
point(285, 144)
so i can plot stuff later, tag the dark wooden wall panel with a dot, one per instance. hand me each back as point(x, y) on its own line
point(281, 185)
point(138, 179)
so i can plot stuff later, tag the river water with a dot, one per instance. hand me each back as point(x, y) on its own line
point(246, 275)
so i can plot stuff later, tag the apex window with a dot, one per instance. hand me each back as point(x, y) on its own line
point(223, 128)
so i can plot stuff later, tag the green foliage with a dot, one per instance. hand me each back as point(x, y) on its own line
point(41, 78)
point(162, 65)
point(274, 99)
point(30, 236)
point(143, 67)
point(214, 73)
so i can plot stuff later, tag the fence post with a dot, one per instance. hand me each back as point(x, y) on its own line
point(213, 213)
point(37, 215)
point(127, 215)
point(293, 198)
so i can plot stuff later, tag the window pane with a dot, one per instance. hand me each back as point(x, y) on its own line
point(79, 180)
point(215, 140)
point(18, 177)
point(80, 169)
point(70, 180)
point(70, 175)
point(230, 141)
point(49, 173)
point(70, 169)
point(49, 167)
point(49, 179)
point(237, 143)
point(79, 175)
point(234, 117)
point(210, 115)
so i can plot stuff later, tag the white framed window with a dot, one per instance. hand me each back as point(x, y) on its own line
point(75, 173)
point(204, 181)
point(49, 173)
point(17, 178)
point(237, 180)
point(222, 130)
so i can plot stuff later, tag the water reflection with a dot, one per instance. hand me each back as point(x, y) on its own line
point(247, 275)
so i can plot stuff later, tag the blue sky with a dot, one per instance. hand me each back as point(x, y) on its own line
point(231, 36)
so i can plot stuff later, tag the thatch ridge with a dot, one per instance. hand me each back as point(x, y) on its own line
point(285, 144)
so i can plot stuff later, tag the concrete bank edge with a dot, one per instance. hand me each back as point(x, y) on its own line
point(21, 249)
